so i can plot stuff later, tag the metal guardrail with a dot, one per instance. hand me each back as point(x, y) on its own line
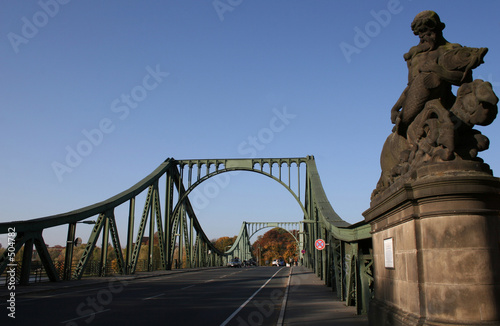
point(93, 269)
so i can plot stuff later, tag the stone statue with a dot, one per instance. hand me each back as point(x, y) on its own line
point(431, 123)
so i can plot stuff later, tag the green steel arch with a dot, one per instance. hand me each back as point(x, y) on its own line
point(264, 225)
point(231, 165)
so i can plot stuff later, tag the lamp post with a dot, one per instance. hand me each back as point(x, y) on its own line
point(71, 242)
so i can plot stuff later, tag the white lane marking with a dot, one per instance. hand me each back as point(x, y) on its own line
point(154, 296)
point(248, 300)
point(285, 299)
point(187, 287)
point(94, 313)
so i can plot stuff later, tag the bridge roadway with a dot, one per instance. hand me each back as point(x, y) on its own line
point(215, 296)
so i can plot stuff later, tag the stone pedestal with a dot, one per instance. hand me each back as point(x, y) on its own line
point(444, 228)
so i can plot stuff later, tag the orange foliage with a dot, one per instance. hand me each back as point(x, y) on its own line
point(276, 244)
point(224, 243)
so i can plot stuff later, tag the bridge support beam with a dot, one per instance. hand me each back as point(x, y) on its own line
point(436, 252)
point(27, 240)
point(70, 243)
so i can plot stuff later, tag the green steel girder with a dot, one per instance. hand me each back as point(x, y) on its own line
point(159, 223)
point(351, 265)
point(70, 242)
point(106, 222)
point(187, 243)
point(338, 268)
point(151, 232)
point(196, 260)
point(169, 205)
point(191, 242)
point(366, 283)
point(44, 255)
point(113, 229)
point(26, 262)
point(89, 248)
point(130, 237)
point(174, 229)
point(104, 248)
point(140, 233)
point(28, 240)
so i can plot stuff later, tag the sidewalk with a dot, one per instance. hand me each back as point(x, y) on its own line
point(310, 302)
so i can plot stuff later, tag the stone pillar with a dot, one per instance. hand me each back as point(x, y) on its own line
point(444, 227)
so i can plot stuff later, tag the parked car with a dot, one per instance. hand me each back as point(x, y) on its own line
point(251, 262)
point(278, 262)
point(235, 262)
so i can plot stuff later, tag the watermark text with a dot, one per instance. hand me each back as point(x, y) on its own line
point(11, 272)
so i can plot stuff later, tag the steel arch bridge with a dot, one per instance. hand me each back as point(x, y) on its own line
point(241, 247)
point(345, 263)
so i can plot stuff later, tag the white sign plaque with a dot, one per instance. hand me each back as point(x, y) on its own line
point(389, 253)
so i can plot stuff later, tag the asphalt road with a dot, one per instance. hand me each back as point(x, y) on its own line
point(225, 296)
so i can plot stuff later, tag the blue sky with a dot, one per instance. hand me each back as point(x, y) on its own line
point(196, 79)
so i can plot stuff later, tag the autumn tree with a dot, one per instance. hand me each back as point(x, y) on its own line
point(224, 243)
point(55, 252)
point(276, 243)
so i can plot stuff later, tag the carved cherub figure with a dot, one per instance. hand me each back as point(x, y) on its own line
point(434, 65)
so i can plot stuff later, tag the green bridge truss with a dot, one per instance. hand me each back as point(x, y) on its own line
point(176, 234)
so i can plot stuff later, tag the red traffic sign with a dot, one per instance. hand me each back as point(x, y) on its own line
point(320, 244)
point(303, 251)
